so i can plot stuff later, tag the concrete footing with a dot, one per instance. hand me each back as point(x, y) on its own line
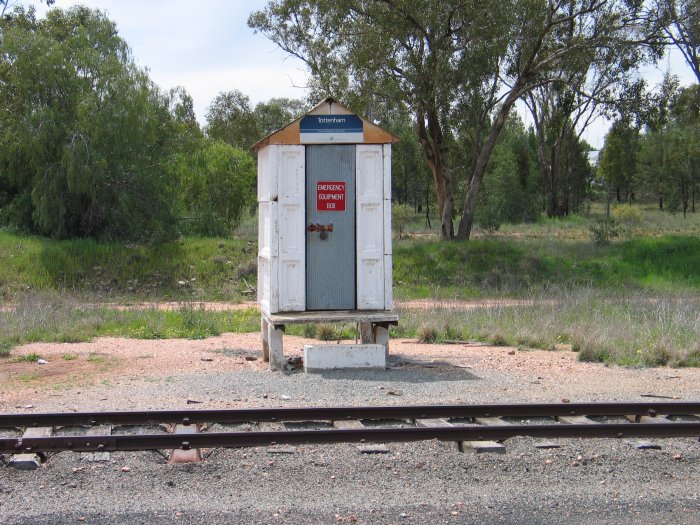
point(329, 357)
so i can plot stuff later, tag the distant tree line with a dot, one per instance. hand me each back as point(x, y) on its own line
point(658, 157)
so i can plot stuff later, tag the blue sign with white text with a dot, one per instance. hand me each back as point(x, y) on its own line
point(324, 129)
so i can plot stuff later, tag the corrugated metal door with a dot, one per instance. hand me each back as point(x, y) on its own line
point(330, 205)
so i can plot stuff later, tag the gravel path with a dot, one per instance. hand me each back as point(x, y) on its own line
point(591, 481)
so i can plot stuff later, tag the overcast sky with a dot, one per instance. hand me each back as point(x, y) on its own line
point(207, 47)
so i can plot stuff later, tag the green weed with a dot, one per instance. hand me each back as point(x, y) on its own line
point(28, 358)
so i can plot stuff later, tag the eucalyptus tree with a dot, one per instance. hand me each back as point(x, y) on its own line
point(277, 113)
point(679, 23)
point(547, 41)
point(7, 5)
point(441, 57)
point(410, 52)
point(562, 112)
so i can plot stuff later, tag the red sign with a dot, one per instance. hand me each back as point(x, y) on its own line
point(330, 196)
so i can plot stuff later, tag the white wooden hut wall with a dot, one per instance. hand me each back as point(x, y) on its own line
point(281, 236)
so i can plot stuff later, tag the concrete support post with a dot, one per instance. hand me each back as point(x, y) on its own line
point(381, 337)
point(265, 339)
point(275, 343)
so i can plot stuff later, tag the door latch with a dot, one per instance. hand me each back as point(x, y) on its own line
point(319, 227)
point(323, 229)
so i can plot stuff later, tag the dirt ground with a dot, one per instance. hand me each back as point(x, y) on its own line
point(109, 359)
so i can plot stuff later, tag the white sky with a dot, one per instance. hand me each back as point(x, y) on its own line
point(207, 48)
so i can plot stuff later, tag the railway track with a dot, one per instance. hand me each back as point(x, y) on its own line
point(468, 425)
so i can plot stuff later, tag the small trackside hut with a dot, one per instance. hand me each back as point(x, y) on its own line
point(324, 239)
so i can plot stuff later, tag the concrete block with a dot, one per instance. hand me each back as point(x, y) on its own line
point(483, 447)
point(30, 461)
point(25, 462)
point(104, 430)
point(328, 357)
point(189, 455)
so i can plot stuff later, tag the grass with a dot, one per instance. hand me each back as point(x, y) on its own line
point(633, 300)
point(54, 318)
point(661, 253)
point(29, 376)
point(206, 269)
point(27, 358)
point(633, 329)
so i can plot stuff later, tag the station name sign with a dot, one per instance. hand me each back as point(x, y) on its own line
point(330, 196)
point(331, 129)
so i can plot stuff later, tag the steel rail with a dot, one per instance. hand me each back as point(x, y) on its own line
point(348, 413)
point(296, 437)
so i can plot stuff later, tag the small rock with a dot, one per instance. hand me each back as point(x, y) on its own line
point(511, 352)
point(81, 518)
point(194, 402)
point(647, 445)
point(546, 445)
point(170, 483)
point(206, 359)
point(251, 358)
point(42, 362)
point(126, 469)
point(264, 396)
point(394, 393)
point(677, 457)
point(547, 461)
point(566, 400)
point(285, 398)
point(270, 463)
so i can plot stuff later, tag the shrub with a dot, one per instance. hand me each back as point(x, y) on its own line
point(604, 230)
point(427, 334)
point(628, 217)
point(326, 332)
point(401, 214)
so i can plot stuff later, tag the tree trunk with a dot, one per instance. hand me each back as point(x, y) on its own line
point(553, 197)
point(435, 150)
point(470, 200)
point(569, 173)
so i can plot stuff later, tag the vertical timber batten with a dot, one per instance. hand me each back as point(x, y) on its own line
point(388, 251)
point(292, 217)
point(370, 229)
